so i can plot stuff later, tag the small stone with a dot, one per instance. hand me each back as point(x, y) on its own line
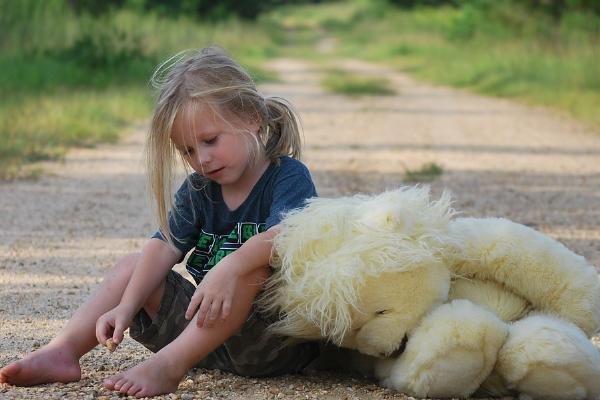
point(110, 345)
point(273, 390)
point(36, 345)
point(187, 396)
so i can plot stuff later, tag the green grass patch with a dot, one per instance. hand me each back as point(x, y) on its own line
point(43, 127)
point(426, 173)
point(73, 80)
point(498, 48)
point(349, 84)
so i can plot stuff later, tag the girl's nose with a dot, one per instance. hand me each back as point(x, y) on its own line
point(203, 157)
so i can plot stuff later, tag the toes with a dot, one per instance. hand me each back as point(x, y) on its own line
point(9, 371)
point(119, 384)
point(109, 383)
point(125, 387)
point(133, 389)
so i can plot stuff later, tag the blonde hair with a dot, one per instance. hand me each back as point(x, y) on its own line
point(212, 77)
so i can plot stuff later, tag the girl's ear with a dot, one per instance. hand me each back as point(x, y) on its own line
point(255, 125)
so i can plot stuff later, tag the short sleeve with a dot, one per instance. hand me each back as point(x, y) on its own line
point(290, 192)
point(183, 219)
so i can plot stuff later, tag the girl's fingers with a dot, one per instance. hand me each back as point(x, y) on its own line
point(118, 333)
point(215, 309)
point(102, 331)
point(203, 311)
point(99, 335)
point(226, 309)
point(194, 302)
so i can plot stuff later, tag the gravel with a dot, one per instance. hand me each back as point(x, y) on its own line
point(59, 235)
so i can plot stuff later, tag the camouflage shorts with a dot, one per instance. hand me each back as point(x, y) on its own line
point(250, 352)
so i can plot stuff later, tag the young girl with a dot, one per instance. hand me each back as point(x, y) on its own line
point(238, 145)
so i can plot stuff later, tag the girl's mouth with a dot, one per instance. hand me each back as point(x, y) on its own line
point(215, 171)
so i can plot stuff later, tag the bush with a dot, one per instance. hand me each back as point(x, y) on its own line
point(103, 48)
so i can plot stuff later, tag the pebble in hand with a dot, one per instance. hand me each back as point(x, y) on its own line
point(111, 345)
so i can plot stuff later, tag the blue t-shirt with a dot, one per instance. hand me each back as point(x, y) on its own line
point(201, 219)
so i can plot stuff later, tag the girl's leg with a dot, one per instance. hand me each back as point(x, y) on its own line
point(163, 371)
point(58, 361)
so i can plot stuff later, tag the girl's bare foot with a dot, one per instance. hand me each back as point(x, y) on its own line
point(51, 363)
point(150, 378)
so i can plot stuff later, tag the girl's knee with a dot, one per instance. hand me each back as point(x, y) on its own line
point(123, 267)
point(128, 261)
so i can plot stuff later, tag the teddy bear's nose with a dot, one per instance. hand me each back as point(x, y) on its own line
point(396, 353)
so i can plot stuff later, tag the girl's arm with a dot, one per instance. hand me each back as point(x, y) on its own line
point(155, 261)
point(216, 291)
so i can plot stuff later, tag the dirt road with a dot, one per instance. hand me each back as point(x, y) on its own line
point(60, 234)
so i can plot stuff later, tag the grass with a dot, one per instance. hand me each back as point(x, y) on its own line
point(346, 83)
point(76, 80)
point(495, 48)
point(426, 173)
point(43, 127)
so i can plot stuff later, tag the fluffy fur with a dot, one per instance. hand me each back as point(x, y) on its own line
point(466, 337)
point(401, 303)
point(368, 272)
point(529, 264)
point(550, 358)
point(328, 249)
point(492, 295)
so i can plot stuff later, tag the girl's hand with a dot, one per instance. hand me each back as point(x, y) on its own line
point(112, 324)
point(214, 295)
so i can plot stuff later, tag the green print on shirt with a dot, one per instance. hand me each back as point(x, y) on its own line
point(211, 248)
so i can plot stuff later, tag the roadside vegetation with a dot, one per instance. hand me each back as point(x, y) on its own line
point(73, 78)
point(544, 53)
point(426, 173)
point(352, 84)
point(75, 72)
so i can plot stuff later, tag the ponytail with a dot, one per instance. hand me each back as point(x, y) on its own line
point(281, 129)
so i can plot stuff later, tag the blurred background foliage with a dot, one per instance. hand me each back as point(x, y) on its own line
point(74, 72)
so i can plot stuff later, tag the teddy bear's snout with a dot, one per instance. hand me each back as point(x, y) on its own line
point(398, 352)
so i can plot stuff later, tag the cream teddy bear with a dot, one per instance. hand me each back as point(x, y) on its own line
point(449, 306)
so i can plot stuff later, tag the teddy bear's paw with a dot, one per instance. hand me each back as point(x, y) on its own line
point(449, 354)
point(548, 358)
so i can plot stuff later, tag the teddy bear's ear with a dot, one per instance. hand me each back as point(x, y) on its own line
point(539, 269)
point(407, 211)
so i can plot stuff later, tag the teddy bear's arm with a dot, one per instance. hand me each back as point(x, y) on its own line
point(450, 354)
point(549, 358)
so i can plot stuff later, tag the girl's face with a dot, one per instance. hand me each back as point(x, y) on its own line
point(213, 147)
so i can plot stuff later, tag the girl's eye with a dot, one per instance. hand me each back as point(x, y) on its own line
point(188, 152)
point(212, 140)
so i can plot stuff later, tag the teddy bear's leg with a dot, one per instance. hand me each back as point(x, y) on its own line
point(548, 358)
point(450, 354)
point(494, 386)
